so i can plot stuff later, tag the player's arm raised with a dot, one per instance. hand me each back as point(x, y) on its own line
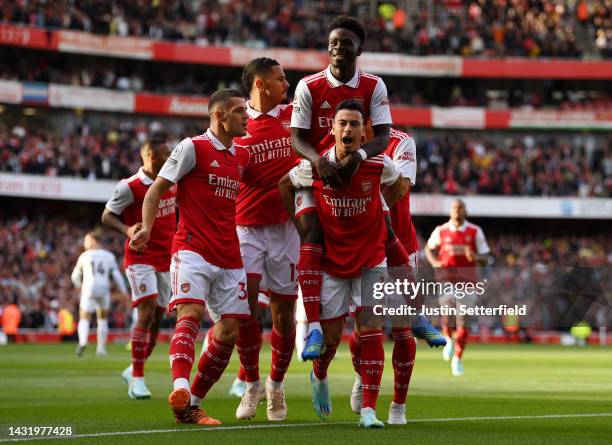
point(150, 206)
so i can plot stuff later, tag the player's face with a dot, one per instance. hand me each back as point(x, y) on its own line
point(457, 211)
point(343, 47)
point(273, 84)
point(234, 117)
point(159, 156)
point(348, 130)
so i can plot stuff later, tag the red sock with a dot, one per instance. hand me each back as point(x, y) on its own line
point(182, 347)
point(211, 366)
point(310, 279)
point(447, 331)
point(139, 351)
point(151, 341)
point(282, 351)
point(241, 374)
point(248, 346)
point(372, 365)
point(461, 341)
point(355, 348)
point(404, 352)
point(396, 254)
point(321, 364)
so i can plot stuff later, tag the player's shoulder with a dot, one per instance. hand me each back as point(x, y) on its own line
point(399, 135)
point(313, 78)
point(369, 77)
point(377, 160)
point(472, 226)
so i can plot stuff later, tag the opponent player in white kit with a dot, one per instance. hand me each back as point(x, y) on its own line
point(92, 274)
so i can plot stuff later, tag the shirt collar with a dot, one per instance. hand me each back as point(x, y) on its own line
point(353, 83)
point(218, 144)
point(254, 114)
point(454, 228)
point(143, 177)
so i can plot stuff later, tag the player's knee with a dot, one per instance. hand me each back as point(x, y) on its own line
point(284, 323)
point(309, 228)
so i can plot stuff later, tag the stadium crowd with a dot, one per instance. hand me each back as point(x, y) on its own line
point(37, 256)
point(529, 28)
point(169, 78)
point(452, 164)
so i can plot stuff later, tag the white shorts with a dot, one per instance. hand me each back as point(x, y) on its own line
point(195, 280)
point(90, 303)
point(341, 296)
point(271, 253)
point(304, 202)
point(147, 283)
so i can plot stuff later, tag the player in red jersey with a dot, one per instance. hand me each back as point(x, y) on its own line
point(269, 242)
point(461, 245)
point(402, 151)
point(206, 266)
point(354, 256)
point(315, 101)
point(147, 271)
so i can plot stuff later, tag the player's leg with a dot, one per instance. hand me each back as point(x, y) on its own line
point(147, 310)
point(301, 327)
point(281, 278)
point(371, 339)
point(461, 338)
point(227, 305)
point(86, 309)
point(403, 358)
point(335, 294)
point(447, 328)
point(102, 325)
point(309, 268)
point(191, 277)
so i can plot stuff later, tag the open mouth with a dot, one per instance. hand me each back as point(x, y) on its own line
point(347, 140)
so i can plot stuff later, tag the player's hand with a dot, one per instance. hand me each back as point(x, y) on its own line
point(348, 167)
point(140, 239)
point(131, 231)
point(469, 254)
point(328, 172)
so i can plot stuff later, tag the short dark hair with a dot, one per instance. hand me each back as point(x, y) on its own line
point(350, 23)
point(350, 104)
point(255, 68)
point(221, 97)
point(154, 141)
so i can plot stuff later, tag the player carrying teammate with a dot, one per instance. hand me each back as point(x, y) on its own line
point(147, 271)
point(354, 255)
point(269, 242)
point(206, 267)
point(314, 105)
point(460, 247)
point(92, 274)
point(402, 151)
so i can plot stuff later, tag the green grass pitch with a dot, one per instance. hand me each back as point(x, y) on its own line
point(519, 394)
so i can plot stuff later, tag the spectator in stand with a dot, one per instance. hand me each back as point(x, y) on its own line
point(527, 28)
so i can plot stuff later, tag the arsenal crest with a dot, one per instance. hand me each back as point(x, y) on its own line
point(366, 186)
point(287, 125)
point(298, 201)
point(142, 287)
point(185, 287)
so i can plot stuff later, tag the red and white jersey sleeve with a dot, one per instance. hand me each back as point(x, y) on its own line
point(208, 176)
point(317, 96)
point(403, 154)
point(127, 204)
point(268, 140)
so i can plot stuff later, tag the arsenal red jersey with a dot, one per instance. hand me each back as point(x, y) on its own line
point(208, 176)
point(127, 203)
point(352, 219)
point(318, 95)
point(452, 241)
point(268, 140)
point(402, 151)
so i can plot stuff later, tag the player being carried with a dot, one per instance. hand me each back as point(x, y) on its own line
point(147, 271)
point(354, 256)
point(269, 242)
point(315, 101)
point(92, 274)
point(206, 267)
